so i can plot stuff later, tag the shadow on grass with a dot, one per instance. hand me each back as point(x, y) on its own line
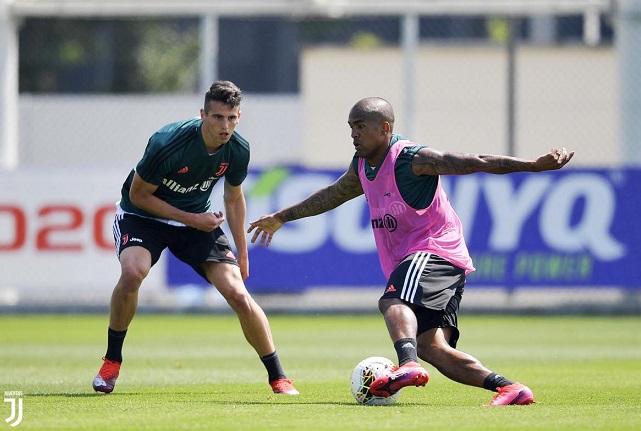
point(271, 399)
point(64, 395)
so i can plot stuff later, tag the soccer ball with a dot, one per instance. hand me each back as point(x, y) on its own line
point(364, 374)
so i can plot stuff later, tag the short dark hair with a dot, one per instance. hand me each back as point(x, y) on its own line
point(223, 91)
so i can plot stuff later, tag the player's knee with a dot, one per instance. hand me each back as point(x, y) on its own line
point(433, 352)
point(131, 277)
point(385, 303)
point(240, 301)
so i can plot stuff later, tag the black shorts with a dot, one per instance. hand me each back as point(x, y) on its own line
point(192, 246)
point(433, 287)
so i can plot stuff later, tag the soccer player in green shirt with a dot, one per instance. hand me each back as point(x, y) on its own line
point(165, 204)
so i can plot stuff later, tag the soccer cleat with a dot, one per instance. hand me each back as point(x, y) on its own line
point(283, 386)
point(515, 394)
point(106, 378)
point(410, 374)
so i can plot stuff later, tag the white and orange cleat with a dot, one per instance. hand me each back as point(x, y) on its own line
point(106, 378)
point(283, 386)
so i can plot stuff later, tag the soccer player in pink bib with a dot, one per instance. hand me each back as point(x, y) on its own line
point(420, 244)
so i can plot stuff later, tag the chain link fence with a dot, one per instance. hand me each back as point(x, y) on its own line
point(564, 80)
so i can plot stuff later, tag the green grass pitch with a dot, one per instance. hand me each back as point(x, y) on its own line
point(197, 372)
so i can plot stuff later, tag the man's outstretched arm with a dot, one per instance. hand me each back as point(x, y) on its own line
point(429, 161)
point(347, 187)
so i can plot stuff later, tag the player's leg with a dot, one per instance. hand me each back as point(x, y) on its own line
point(399, 319)
point(402, 293)
point(434, 348)
point(253, 321)
point(401, 325)
point(135, 263)
point(406, 289)
point(211, 256)
point(437, 346)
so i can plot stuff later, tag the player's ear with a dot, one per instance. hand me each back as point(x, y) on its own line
point(203, 114)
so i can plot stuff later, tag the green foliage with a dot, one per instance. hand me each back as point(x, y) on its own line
point(197, 372)
point(76, 55)
point(169, 59)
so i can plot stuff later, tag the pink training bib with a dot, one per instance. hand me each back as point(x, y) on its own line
point(400, 230)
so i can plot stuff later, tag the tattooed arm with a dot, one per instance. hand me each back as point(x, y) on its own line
point(428, 161)
point(347, 187)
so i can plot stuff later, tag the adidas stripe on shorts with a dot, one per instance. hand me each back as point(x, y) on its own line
point(434, 287)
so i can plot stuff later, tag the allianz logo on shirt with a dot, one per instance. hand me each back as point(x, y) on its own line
point(179, 188)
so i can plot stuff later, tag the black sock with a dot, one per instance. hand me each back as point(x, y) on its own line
point(494, 381)
point(115, 339)
point(406, 351)
point(272, 364)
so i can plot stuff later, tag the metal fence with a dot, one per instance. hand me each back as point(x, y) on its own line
point(492, 76)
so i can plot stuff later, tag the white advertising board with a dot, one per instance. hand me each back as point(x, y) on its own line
point(55, 236)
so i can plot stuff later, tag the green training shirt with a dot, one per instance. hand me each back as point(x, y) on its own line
point(177, 161)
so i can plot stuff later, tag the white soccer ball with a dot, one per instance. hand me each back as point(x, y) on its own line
point(364, 374)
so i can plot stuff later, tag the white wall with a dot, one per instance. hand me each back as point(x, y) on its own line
point(566, 96)
point(112, 131)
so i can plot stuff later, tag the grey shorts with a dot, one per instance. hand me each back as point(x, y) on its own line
point(192, 246)
point(433, 287)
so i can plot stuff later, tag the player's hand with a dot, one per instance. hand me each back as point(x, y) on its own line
point(555, 159)
point(265, 227)
point(208, 221)
point(243, 263)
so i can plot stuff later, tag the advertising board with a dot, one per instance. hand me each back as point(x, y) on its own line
point(574, 227)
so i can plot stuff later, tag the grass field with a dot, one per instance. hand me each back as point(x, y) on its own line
point(197, 372)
